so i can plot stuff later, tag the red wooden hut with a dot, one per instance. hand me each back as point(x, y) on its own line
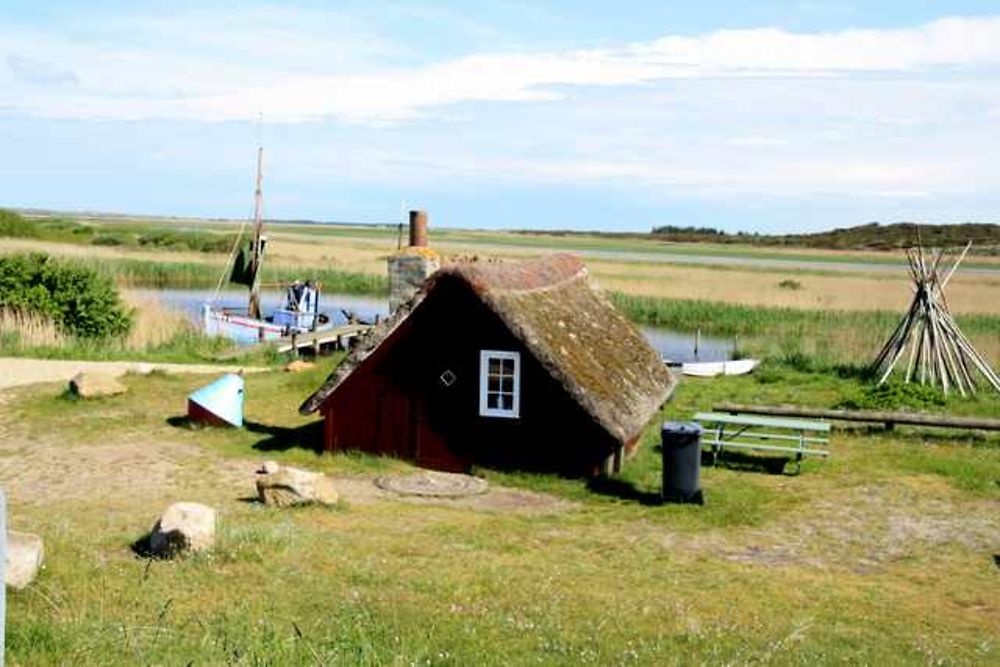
point(521, 365)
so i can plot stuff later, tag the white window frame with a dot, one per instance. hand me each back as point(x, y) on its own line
point(484, 371)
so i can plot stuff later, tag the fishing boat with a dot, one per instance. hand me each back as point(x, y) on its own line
point(300, 312)
point(708, 369)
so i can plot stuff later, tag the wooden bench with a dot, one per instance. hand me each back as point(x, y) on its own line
point(798, 437)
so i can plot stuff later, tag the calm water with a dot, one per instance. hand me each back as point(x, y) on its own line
point(674, 345)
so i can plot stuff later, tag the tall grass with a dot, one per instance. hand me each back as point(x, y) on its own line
point(161, 275)
point(65, 230)
point(159, 333)
point(28, 330)
point(822, 336)
point(154, 324)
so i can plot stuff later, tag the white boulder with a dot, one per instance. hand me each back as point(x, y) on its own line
point(282, 486)
point(94, 385)
point(184, 527)
point(23, 560)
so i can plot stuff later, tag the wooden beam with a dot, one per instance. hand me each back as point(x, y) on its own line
point(910, 418)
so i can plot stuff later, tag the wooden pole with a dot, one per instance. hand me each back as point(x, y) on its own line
point(954, 266)
point(253, 308)
point(3, 574)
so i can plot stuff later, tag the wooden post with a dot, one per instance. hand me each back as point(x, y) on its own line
point(3, 573)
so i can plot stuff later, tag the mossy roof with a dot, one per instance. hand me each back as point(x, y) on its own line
point(572, 329)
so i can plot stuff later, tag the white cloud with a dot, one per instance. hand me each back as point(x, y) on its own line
point(297, 66)
point(905, 113)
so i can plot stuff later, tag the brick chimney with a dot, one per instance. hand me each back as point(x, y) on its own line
point(409, 267)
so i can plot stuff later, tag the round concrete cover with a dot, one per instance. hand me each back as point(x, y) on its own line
point(433, 484)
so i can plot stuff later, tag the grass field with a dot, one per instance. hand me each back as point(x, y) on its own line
point(886, 553)
point(339, 254)
point(883, 554)
point(835, 317)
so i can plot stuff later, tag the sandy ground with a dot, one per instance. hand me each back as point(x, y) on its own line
point(18, 371)
point(132, 465)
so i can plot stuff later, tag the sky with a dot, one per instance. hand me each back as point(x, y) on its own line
point(759, 116)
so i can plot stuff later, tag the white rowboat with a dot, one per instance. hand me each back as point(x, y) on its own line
point(709, 369)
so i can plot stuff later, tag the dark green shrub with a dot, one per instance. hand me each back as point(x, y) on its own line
point(80, 301)
point(109, 240)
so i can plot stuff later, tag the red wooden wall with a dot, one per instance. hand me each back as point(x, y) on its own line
point(394, 403)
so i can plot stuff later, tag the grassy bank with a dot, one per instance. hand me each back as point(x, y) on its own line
point(880, 555)
point(157, 334)
point(822, 336)
point(124, 235)
point(161, 275)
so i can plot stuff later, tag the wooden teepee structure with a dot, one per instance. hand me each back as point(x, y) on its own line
point(937, 352)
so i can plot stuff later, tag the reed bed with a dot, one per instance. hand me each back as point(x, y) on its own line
point(21, 331)
point(154, 324)
point(158, 333)
point(129, 273)
point(824, 336)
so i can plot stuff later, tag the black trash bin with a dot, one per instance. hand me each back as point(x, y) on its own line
point(681, 462)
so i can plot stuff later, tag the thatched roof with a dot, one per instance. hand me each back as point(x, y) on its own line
point(573, 330)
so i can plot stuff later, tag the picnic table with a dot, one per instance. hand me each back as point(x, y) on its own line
point(797, 437)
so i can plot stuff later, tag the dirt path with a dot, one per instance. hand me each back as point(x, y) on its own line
point(17, 371)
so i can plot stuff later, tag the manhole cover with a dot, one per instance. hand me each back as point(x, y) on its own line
point(433, 484)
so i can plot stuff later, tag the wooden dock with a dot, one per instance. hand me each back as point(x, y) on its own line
point(337, 338)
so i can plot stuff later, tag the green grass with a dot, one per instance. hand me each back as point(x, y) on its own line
point(819, 338)
point(127, 235)
point(186, 347)
point(144, 273)
point(609, 580)
point(823, 338)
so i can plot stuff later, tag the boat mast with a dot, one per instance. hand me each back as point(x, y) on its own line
point(253, 309)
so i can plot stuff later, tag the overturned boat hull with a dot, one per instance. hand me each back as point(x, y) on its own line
point(219, 403)
point(710, 369)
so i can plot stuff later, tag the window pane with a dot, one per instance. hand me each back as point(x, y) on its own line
point(507, 401)
point(494, 366)
point(493, 401)
point(508, 366)
point(493, 383)
point(507, 385)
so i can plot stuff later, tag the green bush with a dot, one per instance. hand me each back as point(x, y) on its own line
point(109, 240)
point(188, 240)
point(79, 300)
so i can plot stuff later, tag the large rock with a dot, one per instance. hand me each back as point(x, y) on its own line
point(24, 558)
point(282, 486)
point(184, 527)
point(94, 385)
point(298, 365)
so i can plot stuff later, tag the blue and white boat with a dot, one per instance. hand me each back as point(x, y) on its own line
point(300, 313)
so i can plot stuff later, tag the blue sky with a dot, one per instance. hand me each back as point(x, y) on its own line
point(754, 116)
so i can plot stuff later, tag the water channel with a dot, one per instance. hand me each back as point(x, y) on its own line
point(677, 346)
